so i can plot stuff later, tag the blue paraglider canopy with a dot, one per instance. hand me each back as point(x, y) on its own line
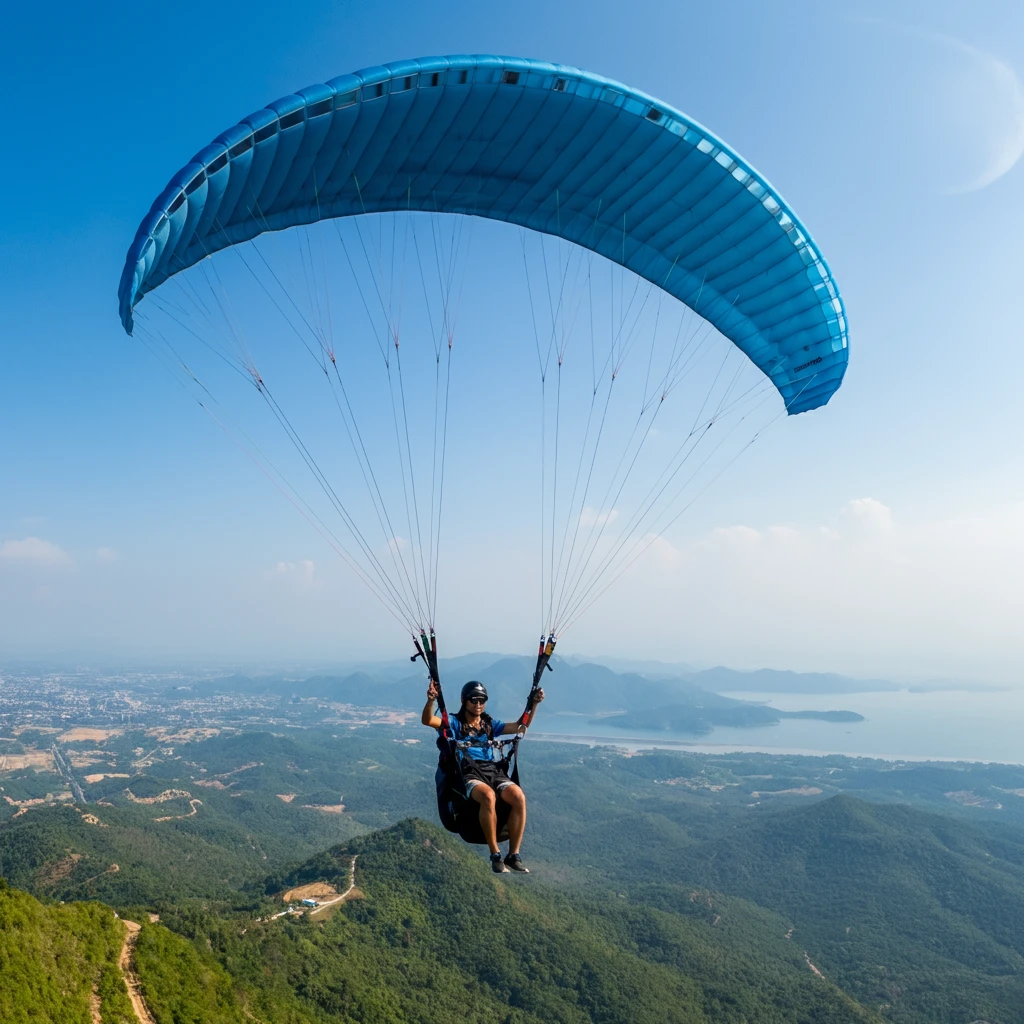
point(544, 146)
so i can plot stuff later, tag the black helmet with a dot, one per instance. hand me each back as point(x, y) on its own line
point(473, 689)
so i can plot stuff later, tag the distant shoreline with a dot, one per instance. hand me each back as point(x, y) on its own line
point(637, 743)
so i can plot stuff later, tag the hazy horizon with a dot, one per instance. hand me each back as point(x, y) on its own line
point(393, 666)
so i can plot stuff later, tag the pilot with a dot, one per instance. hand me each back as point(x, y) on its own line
point(484, 770)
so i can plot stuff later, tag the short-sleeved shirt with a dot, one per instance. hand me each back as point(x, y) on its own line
point(479, 748)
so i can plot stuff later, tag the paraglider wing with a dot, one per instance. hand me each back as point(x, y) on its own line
point(544, 146)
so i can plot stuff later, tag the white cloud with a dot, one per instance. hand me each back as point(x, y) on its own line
point(733, 537)
point(303, 571)
point(866, 592)
point(591, 517)
point(33, 551)
point(870, 514)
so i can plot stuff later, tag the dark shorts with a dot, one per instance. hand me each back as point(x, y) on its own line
point(484, 773)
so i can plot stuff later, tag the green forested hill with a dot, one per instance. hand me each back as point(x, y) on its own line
point(439, 938)
point(436, 939)
point(904, 907)
point(126, 861)
point(919, 913)
point(56, 960)
point(238, 829)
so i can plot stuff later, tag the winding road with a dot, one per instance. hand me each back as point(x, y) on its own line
point(345, 894)
point(327, 903)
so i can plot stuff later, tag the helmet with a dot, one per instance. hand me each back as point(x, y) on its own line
point(473, 689)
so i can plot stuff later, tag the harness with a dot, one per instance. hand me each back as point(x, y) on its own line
point(457, 812)
point(506, 747)
point(493, 744)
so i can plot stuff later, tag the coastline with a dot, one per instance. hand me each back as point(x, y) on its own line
point(634, 744)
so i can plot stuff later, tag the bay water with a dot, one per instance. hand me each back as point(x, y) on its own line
point(938, 725)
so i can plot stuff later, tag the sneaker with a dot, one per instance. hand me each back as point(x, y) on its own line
point(515, 862)
point(496, 866)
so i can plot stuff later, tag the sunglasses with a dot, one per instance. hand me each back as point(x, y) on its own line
point(477, 700)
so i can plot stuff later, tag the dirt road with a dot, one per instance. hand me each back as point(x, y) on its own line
point(812, 967)
point(350, 893)
point(131, 979)
point(346, 894)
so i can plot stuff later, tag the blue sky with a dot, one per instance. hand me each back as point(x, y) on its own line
point(883, 534)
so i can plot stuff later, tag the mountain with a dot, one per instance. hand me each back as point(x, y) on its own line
point(578, 686)
point(71, 963)
point(582, 688)
point(633, 701)
point(57, 961)
point(648, 667)
point(437, 937)
point(917, 912)
point(624, 700)
point(893, 886)
point(430, 935)
point(768, 680)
